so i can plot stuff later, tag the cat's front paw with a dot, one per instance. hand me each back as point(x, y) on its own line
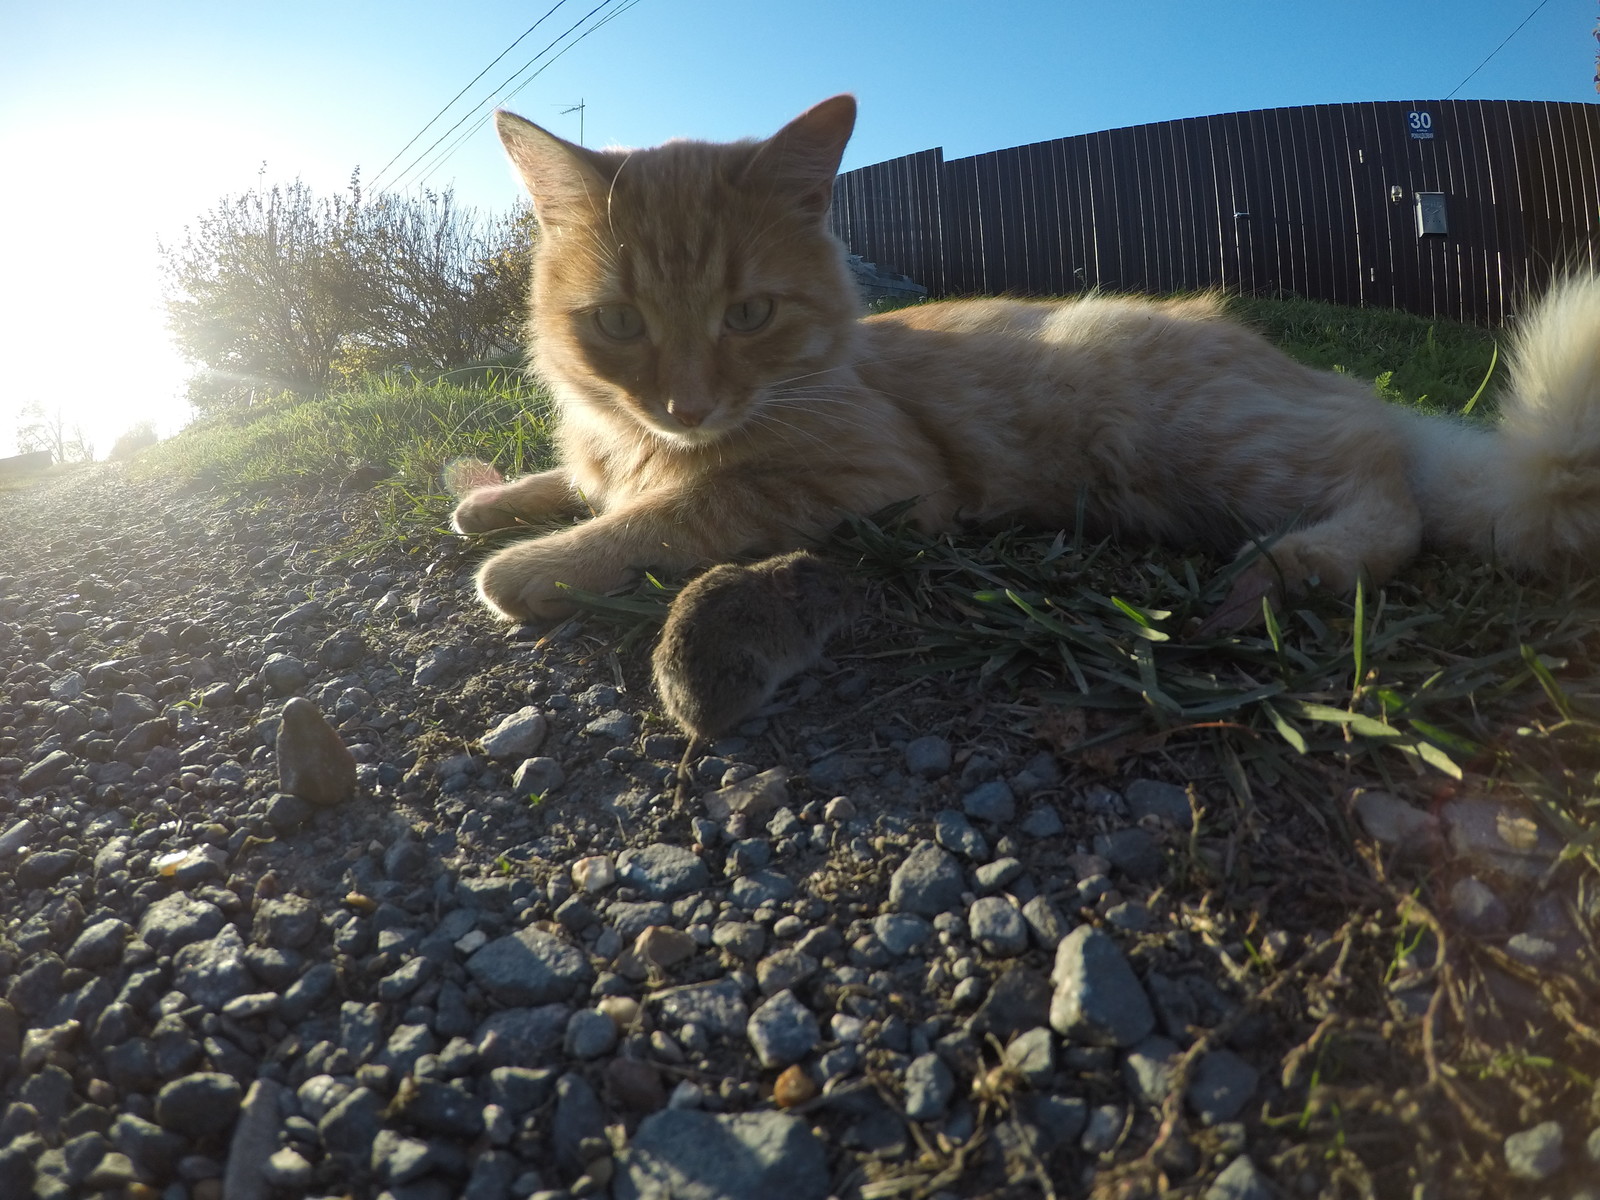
point(521, 583)
point(483, 509)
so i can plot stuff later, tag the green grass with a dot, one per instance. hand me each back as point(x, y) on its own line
point(400, 429)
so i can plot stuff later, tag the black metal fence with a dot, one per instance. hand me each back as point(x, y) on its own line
point(1446, 207)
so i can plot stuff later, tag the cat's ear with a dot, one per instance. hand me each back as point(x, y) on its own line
point(561, 178)
point(803, 157)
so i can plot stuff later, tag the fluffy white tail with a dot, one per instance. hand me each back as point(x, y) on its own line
point(1527, 494)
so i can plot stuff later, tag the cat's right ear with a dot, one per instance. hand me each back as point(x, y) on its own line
point(562, 178)
point(803, 156)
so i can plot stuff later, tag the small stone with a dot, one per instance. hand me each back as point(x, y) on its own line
point(1042, 822)
point(1164, 801)
point(1098, 999)
point(529, 967)
point(956, 834)
point(1240, 1180)
point(1032, 1055)
point(784, 969)
point(536, 778)
point(1135, 852)
point(200, 1104)
point(635, 1084)
point(46, 771)
point(590, 1034)
point(695, 1155)
point(663, 946)
point(1395, 824)
point(255, 1138)
point(928, 882)
point(663, 871)
point(993, 801)
point(902, 933)
point(1045, 922)
point(717, 1007)
point(1222, 1085)
point(313, 762)
point(518, 736)
point(594, 873)
point(928, 757)
point(997, 925)
point(1500, 837)
point(1149, 1067)
point(929, 1086)
point(783, 1030)
point(284, 674)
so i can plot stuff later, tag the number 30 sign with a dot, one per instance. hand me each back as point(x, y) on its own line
point(1421, 124)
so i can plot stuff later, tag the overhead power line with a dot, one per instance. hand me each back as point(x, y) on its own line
point(1496, 50)
point(422, 163)
point(416, 137)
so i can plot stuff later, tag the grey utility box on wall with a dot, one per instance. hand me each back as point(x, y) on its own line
point(1431, 217)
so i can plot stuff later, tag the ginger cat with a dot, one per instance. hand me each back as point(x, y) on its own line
point(719, 394)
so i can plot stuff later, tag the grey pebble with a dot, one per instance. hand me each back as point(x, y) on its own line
point(1148, 1067)
point(1240, 1180)
point(1222, 1085)
point(177, 920)
point(662, 871)
point(783, 1030)
point(928, 757)
point(993, 801)
point(1102, 1129)
point(1042, 822)
point(518, 736)
point(929, 1085)
point(1032, 1054)
point(529, 967)
point(927, 882)
point(198, 1105)
point(695, 1155)
point(1165, 801)
point(998, 926)
point(1477, 908)
point(616, 726)
point(902, 933)
point(254, 1141)
point(313, 761)
point(1098, 999)
point(1535, 1154)
point(214, 971)
point(1001, 873)
point(1135, 852)
point(1045, 922)
point(717, 1007)
point(590, 1034)
point(956, 833)
point(537, 777)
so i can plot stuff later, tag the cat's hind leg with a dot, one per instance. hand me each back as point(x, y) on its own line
point(1375, 532)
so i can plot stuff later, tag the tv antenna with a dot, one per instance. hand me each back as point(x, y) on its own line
point(577, 108)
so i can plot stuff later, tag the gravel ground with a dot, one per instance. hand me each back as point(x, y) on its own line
point(882, 947)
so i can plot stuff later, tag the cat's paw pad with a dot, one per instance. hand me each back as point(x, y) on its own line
point(518, 591)
point(482, 510)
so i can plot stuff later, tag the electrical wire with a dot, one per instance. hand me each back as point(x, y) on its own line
point(416, 137)
point(1496, 50)
point(422, 158)
point(450, 150)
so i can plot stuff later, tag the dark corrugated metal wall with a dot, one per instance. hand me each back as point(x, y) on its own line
point(1293, 201)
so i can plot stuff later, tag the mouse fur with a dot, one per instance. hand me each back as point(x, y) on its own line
point(737, 632)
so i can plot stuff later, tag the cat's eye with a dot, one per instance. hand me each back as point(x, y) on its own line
point(747, 316)
point(619, 322)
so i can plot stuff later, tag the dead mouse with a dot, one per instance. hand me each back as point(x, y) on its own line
point(735, 633)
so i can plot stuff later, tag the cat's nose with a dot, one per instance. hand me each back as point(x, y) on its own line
point(689, 414)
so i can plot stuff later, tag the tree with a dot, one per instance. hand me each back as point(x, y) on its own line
point(41, 428)
point(444, 286)
point(264, 290)
point(276, 290)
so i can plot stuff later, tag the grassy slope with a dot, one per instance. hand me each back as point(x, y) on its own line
point(1455, 679)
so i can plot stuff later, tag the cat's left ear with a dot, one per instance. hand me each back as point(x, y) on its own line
point(561, 178)
point(803, 157)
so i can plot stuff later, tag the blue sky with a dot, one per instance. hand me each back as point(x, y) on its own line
point(122, 122)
